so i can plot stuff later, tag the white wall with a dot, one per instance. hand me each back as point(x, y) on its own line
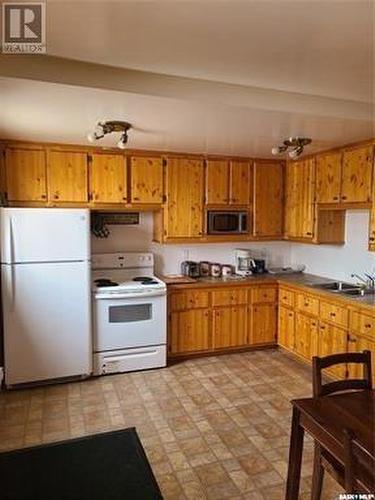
point(168, 258)
point(340, 262)
point(126, 238)
point(337, 262)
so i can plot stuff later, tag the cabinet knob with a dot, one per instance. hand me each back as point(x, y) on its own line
point(56, 196)
point(344, 197)
point(332, 314)
point(43, 196)
point(335, 197)
point(367, 325)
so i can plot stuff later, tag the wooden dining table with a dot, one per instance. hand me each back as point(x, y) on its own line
point(325, 419)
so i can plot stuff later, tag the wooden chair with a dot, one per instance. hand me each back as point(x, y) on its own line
point(322, 459)
point(359, 466)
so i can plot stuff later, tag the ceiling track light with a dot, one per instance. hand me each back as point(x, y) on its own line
point(294, 146)
point(107, 127)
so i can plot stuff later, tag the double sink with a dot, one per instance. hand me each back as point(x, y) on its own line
point(345, 288)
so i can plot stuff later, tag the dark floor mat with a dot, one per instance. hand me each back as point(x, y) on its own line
point(108, 466)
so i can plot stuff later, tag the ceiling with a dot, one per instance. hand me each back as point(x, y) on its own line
point(315, 47)
point(246, 74)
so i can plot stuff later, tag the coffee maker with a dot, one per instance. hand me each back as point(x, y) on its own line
point(245, 264)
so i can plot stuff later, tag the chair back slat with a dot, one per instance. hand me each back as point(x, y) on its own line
point(319, 364)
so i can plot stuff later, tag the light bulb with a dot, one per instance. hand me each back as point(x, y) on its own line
point(123, 140)
point(91, 137)
point(295, 152)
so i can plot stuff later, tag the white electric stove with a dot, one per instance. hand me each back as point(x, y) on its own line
point(130, 313)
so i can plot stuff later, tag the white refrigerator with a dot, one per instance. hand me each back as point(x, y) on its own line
point(45, 282)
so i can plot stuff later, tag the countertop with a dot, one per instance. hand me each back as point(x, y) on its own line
point(304, 280)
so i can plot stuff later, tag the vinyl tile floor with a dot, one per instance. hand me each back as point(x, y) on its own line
point(213, 428)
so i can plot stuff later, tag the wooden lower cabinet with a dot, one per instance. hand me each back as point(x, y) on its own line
point(333, 340)
point(359, 343)
point(230, 327)
point(263, 324)
point(189, 331)
point(286, 330)
point(306, 336)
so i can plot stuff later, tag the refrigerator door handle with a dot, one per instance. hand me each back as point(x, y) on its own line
point(11, 241)
point(12, 288)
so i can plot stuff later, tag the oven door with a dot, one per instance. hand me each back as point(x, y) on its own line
point(121, 322)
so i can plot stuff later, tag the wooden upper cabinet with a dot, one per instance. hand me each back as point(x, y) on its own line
point(239, 187)
point(26, 175)
point(300, 199)
point(185, 192)
point(372, 230)
point(227, 182)
point(67, 176)
point(146, 180)
point(107, 178)
point(328, 178)
point(217, 182)
point(268, 198)
point(357, 175)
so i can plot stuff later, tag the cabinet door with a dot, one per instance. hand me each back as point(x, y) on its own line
point(372, 230)
point(286, 336)
point(264, 324)
point(300, 194)
point(306, 336)
point(268, 199)
point(184, 198)
point(146, 177)
point(189, 331)
point(239, 183)
point(357, 343)
point(333, 340)
point(107, 178)
point(26, 174)
point(67, 176)
point(328, 178)
point(217, 182)
point(229, 327)
point(356, 175)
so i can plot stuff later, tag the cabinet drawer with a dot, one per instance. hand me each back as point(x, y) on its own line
point(334, 314)
point(190, 299)
point(362, 323)
point(264, 294)
point(307, 304)
point(286, 298)
point(229, 297)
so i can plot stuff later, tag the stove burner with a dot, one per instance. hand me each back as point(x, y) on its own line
point(145, 280)
point(104, 282)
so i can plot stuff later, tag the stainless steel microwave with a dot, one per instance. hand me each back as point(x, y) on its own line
point(227, 222)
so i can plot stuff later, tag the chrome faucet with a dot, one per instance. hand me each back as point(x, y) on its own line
point(369, 281)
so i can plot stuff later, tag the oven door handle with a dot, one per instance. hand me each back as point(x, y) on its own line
point(141, 296)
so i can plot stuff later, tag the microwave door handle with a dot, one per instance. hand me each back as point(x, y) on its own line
point(243, 223)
